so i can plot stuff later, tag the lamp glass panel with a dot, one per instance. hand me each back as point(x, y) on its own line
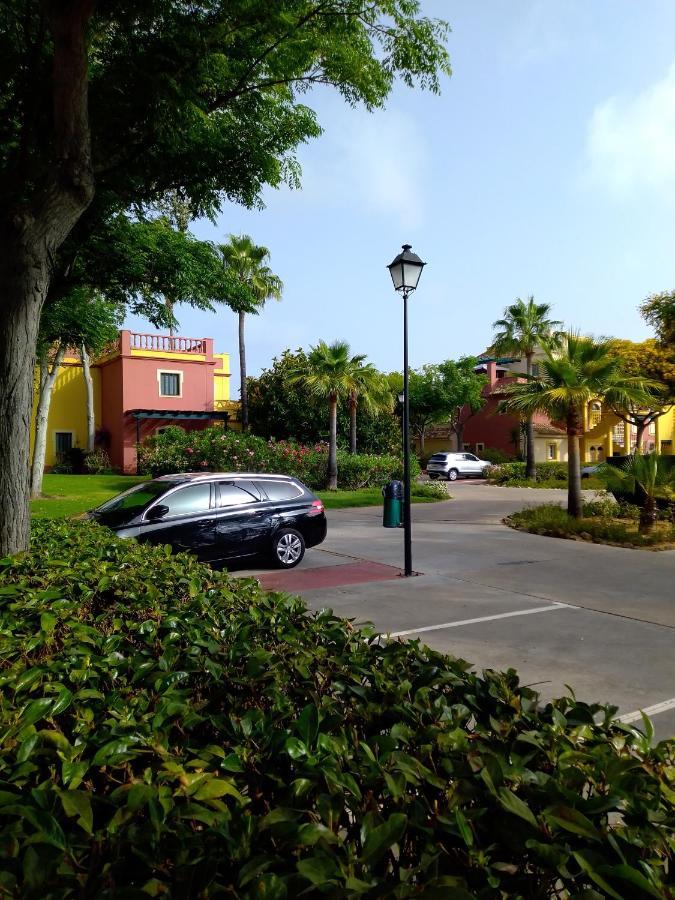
point(411, 274)
point(397, 275)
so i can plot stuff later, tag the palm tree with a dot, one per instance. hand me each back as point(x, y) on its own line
point(574, 371)
point(330, 373)
point(525, 326)
point(371, 391)
point(248, 263)
point(644, 476)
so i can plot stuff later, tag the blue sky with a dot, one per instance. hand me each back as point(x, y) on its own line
point(545, 167)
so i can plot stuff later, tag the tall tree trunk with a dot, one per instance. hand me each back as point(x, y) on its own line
point(89, 389)
point(648, 514)
point(32, 229)
point(574, 501)
point(48, 375)
point(242, 374)
point(22, 292)
point(422, 435)
point(639, 435)
point(352, 423)
point(331, 473)
point(530, 470)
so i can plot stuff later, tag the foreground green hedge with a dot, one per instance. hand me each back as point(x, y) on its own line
point(213, 449)
point(169, 731)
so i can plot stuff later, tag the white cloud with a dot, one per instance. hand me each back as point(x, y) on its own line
point(374, 163)
point(631, 141)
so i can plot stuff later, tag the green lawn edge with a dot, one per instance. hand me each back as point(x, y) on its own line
point(71, 495)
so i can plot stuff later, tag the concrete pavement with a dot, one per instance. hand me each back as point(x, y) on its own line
point(600, 619)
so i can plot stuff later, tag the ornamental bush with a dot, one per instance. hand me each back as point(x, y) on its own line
point(512, 473)
point(212, 449)
point(170, 731)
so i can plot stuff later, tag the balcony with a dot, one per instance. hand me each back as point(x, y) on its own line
point(165, 343)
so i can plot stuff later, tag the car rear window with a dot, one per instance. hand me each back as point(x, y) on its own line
point(232, 494)
point(439, 457)
point(280, 490)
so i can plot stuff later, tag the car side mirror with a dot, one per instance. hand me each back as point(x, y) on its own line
point(157, 512)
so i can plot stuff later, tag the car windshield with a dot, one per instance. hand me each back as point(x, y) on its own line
point(126, 506)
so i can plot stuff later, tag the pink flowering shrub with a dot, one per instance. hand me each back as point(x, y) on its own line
point(215, 450)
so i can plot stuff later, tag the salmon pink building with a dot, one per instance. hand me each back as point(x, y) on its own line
point(141, 385)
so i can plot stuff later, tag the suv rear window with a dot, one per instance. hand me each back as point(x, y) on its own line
point(439, 457)
point(280, 490)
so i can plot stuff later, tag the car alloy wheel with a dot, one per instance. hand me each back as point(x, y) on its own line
point(289, 548)
point(452, 475)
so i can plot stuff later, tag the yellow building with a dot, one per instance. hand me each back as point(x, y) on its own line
point(605, 434)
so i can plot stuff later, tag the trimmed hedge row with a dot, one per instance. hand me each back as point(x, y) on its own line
point(213, 449)
point(167, 730)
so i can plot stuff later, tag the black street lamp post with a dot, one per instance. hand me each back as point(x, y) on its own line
point(405, 272)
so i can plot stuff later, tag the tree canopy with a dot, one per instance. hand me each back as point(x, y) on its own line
point(279, 409)
point(445, 392)
point(659, 311)
point(526, 325)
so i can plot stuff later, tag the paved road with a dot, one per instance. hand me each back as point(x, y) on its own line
point(600, 619)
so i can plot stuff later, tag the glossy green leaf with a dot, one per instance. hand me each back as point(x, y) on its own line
point(382, 838)
point(517, 807)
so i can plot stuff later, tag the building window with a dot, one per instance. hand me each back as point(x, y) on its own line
point(466, 446)
point(63, 443)
point(595, 413)
point(480, 446)
point(170, 384)
point(552, 451)
point(535, 370)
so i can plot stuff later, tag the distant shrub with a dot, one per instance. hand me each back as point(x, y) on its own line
point(170, 731)
point(97, 462)
point(365, 470)
point(513, 473)
point(436, 490)
point(494, 455)
point(176, 450)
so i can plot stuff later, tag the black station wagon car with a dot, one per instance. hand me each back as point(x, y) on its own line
point(220, 516)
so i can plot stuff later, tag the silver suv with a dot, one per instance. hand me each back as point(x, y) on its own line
point(453, 465)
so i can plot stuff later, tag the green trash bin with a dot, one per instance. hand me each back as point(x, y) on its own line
point(393, 504)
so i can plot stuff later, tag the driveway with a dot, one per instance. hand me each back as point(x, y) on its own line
point(599, 619)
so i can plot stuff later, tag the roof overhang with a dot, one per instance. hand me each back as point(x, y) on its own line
point(195, 415)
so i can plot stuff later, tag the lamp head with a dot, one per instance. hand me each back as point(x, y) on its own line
point(406, 269)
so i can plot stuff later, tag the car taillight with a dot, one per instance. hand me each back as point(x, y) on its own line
point(316, 509)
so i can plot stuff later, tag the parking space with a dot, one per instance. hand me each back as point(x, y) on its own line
point(600, 619)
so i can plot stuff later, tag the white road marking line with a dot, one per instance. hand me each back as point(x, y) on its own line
point(650, 711)
point(519, 612)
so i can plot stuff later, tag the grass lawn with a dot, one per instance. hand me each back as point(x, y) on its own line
point(68, 495)
point(367, 497)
